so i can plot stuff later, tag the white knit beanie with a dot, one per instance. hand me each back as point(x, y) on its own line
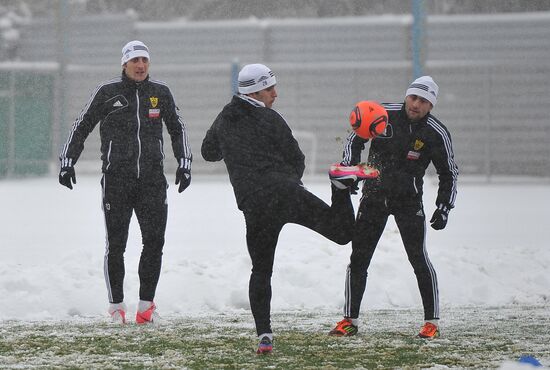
point(255, 77)
point(424, 87)
point(134, 49)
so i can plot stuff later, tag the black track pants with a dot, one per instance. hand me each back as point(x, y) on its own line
point(371, 221)
point(147, 198)
point(265, 216)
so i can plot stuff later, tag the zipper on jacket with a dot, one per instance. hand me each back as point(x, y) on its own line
point(161, 152)
point(109, 155)
point(414, 185)
point(138, 132)
point(414, 177)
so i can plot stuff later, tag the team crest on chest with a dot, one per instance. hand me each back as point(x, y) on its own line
point(415, 153)
point(154, 112)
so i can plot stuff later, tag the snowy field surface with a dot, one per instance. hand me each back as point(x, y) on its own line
point(494, 252)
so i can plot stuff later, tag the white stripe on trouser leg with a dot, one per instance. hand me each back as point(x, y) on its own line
point(106, 257)
point(433, 276)
point(347, 293)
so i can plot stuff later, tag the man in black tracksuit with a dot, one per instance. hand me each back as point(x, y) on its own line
point(413, 138)
point(265, 166)
point(131, 110)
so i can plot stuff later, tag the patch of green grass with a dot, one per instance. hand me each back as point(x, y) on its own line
point(471, 338)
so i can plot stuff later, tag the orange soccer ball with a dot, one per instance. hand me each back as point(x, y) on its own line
point(368, 119)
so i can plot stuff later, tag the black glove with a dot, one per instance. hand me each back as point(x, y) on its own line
point(67, 176)
point(183, 177)
point(440, 216)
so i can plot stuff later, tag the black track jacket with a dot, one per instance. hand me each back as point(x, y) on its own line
point(257, 146)
point(130, 115)
point(402, 154)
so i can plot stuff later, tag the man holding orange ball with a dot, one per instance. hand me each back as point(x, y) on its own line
point(412, 139)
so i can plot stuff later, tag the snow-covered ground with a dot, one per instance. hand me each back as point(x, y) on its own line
point(494, 251)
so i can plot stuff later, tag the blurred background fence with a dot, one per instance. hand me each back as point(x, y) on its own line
point(493, 72)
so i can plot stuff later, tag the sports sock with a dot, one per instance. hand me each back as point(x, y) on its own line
point(144, 305)
point(269, 335)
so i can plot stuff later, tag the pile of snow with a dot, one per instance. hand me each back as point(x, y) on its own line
point(494, 251)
